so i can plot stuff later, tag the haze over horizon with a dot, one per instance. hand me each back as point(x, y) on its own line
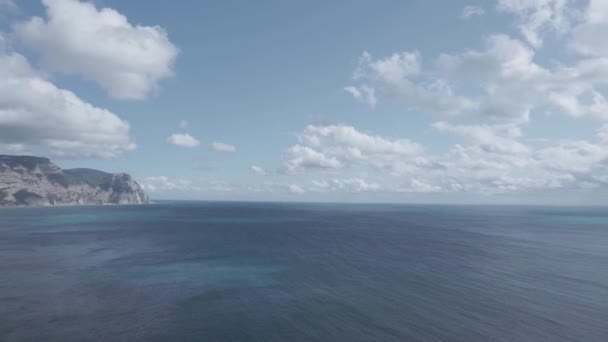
point(494, 101)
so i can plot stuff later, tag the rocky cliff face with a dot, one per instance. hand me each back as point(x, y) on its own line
point(36, 181)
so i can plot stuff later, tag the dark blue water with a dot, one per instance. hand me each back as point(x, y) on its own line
point(297, 272)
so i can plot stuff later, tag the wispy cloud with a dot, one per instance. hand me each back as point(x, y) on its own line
point(472, 11)
point(222, 147)
point(257, 170)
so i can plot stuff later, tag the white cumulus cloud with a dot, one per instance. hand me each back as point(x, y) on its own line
point(101, 45)
point(339, 146)
point(588, 37)
point(299, 157)
point(400, 77)
point(344, 185)
point(36, 113)
point(497, 138)
point(539, 16)
point(183, 140)
point(490, 159)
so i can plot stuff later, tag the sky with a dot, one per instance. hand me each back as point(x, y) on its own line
point(409, 101)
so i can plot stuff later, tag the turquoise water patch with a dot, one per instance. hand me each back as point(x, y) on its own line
point(97, 217)
point(235, 220)
point(573, 218)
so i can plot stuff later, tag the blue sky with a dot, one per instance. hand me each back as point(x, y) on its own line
point(401, 101)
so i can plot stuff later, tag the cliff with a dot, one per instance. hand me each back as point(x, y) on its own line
point(28, 180)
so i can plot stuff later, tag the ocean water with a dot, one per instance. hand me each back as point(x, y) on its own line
point(303, 272)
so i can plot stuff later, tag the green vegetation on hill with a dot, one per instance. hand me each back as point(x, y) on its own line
point(28, 162)
point(24, 196)
point(89, 176)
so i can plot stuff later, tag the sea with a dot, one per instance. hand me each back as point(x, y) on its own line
point(217, 271)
